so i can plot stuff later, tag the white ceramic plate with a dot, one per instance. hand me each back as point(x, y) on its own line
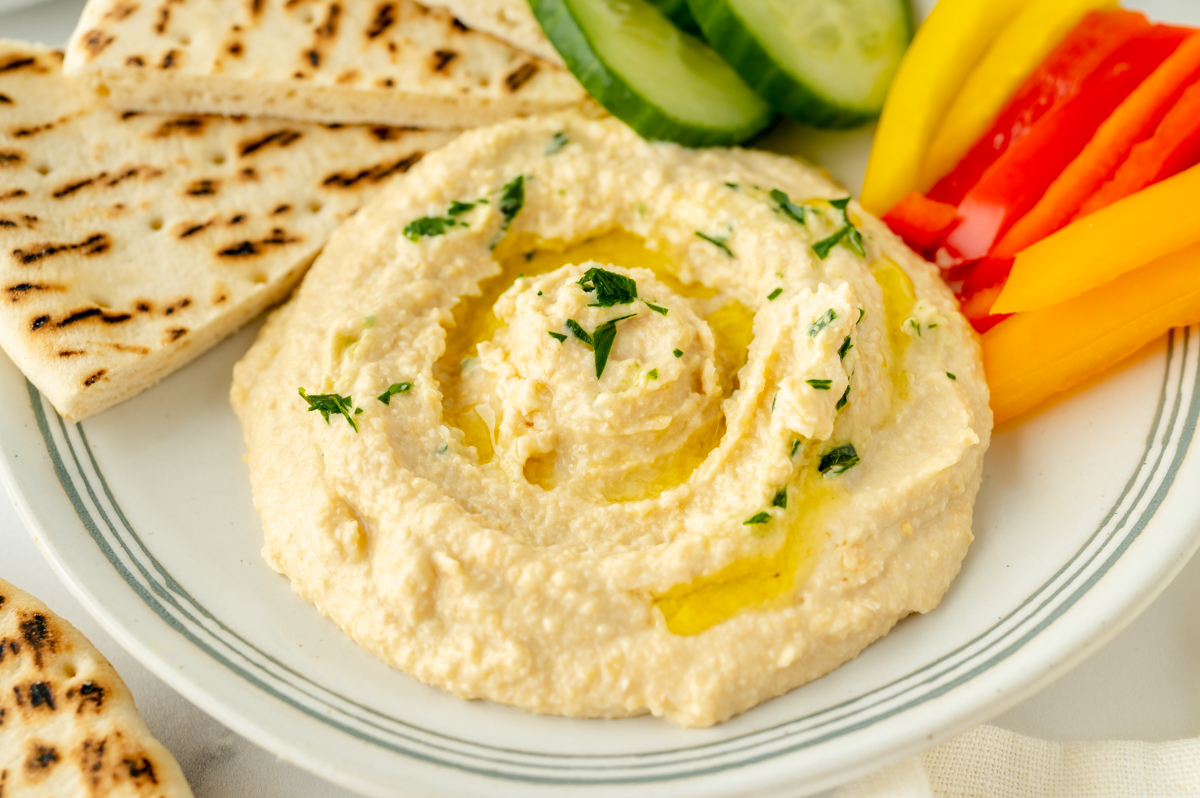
point(1086, 512)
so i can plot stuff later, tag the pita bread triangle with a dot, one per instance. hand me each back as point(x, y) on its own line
point(392, 62)
point(131, 243)
point(68, 725)
point(510, 20)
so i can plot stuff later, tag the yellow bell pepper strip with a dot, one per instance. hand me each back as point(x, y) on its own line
point(1032, 356)
point(1134, 120)
point(1156, 221)
point(950, 41)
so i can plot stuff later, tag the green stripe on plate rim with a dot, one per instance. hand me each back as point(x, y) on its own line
point(1050, 601)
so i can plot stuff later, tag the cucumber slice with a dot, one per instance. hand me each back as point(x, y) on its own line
point(663, 83)
point(824, 62)
point(678, 12)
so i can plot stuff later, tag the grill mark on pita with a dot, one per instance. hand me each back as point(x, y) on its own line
point(180, 305)
point(234, 49)
point(280, 138)
point(385, 17)
point(39, 322)
point(19, 291)
point(130, 115)
point(11, 158)
point(14, 64)
point(281, 209)
point(133, 173)
point(93, 313)
point(40, 693)
point(95, 41)
point(25, 132)
point(95, 244)
point(6, 100)
point(138, 769)
point(389, 133)
point(256, 7)
point(137, 350)
point(249, 174)
point(349, 76)
point(135, 60)
point(241, 217)
point(196, 228)
point(373, 174)
point(164, 16)
point(442, 58)
point(41, 757)
point(71, 188)
point(386, 83)
point(70, 353)
point(90, 381)
point(203, 188)
point(189, 125)
point(121, 11)
point(16, 192)
point(247, 249)
point(520, 76)
point(314, 58)
point(7, 223)
point(176, 333)
point(169, 59)
point(457, 24)
point(38, 635)
point(329, 27)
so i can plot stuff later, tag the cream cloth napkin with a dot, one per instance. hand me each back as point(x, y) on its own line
point(988, 762)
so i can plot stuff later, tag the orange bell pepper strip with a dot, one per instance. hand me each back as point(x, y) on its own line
point(1102, 246)
point(1033, 356)
point(951, 40)
point(1015, 54)
point(1134, 120)
point(920, 221)
point(1175, 146)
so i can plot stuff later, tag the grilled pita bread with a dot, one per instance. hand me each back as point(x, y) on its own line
point(510, 20)
point(131, 243)
point(68, 725)
point(389, 62)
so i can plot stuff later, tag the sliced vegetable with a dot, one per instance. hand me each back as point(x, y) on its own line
point(662, 82)
point(1014, 183)
point(1105, 245)
point(1134, 120)
point(1057, 79)
point(1033, 356)
point(1015, 54)
point(920, 221)
point(821, 62)
point(1175, 146)
point(946, 46)
point(678, 12)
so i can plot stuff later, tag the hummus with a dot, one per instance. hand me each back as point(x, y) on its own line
point(605, 427)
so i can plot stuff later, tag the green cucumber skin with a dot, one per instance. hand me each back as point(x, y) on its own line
point(678, 12)
point(729, 35)
point(617, 96)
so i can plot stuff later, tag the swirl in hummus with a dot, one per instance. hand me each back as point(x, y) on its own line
point(609, 427)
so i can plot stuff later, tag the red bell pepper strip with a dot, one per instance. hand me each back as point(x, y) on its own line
point(1093, 40)
point(1134, 120)
point(920, 221)
point(976, 308)
point(1175, 146)
point(1016, 181)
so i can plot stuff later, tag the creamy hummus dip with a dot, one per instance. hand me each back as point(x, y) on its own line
point(598, 427)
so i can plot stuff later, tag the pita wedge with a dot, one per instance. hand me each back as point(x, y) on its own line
point(131, 243)
point(68, 726)
point(510, 20)
point(389, 62)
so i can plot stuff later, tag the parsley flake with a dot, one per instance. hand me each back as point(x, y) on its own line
point(512, 200)
point(603, 338)
point(848, 234)
point(657, 309)
point(757, 518)
point(428, 226)
point(951, 376)
point(330, 404)
point(678, 353)
point(787, 207)
point(557, 142)
point(795, 446)
point(578, 331)
point(820, 324)
point(458, 208)
point(838, 460)
point(774, 294)
point(861, 312)
point(780, 499)
point(718, 242)
point(393, 389)
point(845, 398)
point(845, 347)
point(653, 374)
point(611, 288)
point(820, 385)
point(557, 336)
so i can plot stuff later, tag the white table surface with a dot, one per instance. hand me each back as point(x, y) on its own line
point(1142, 685)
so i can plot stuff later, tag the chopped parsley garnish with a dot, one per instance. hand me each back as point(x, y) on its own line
point(733, 186)
point(579, 332)
point(458, 208)
point(838, 460)
point(512, 200)
point(657, 309)
point(720, 243)
point(429, 226)
point(678, 353)
point(795, 446)
point(780, 499)
point(757, 518)
point(611, 288)
point(916, 325)
point(558, 336)
point(393, 389)
point(603, 338)
point(951, 376)
point(845, 398)
point(848, 234)
point(653, 374)
point(845, 347)
point(820, 385)
point(330, 404)
point(557, 142)
point(787, 207)
point(774, 294)
point(861, 312)
point(820, 324)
